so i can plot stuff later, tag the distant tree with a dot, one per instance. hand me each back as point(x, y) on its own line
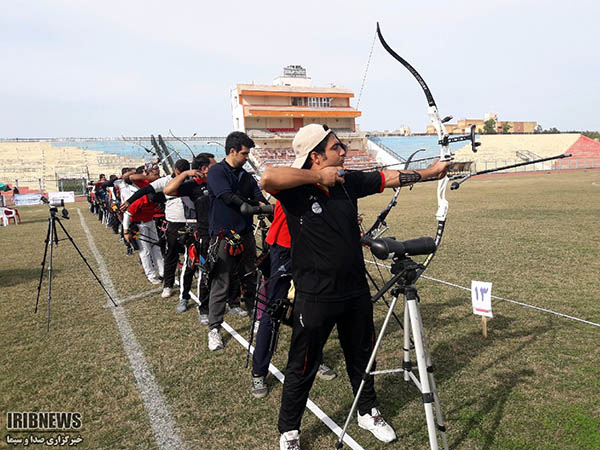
point(538, 129)
point(552, 130)
point(489, 127)
point(592, 134)
point(506, 127)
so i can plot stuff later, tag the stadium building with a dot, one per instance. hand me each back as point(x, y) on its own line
point(271, 114)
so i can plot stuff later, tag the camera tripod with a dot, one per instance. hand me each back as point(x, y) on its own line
point(406, 272)
point(51, 241)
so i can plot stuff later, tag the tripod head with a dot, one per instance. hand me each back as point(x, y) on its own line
point(53, 206)
point(264, 210)
point(405, 270)
point(389, 247)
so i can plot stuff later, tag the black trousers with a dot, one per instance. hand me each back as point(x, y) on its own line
point(188, 271)
point(278, 286)
point(313, 323)
point(173, 251)
point(221, 277)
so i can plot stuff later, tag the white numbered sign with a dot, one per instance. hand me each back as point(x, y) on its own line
point(481, 296)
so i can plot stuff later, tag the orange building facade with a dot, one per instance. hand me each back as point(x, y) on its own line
point(290, 103)
point(271, 114)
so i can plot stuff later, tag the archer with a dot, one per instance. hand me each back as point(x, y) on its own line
point(320, 203)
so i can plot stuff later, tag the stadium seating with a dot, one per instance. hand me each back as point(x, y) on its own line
point(356, 159)
point(586, 153)
point(503, 150)
point(282, 130)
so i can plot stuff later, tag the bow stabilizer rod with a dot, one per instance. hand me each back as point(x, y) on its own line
point(161, 157)
point(463, 178)
point(168, 154)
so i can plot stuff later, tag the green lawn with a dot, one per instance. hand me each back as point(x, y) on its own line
point(532, 383)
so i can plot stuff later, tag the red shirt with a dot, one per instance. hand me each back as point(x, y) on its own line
point(142, 183)
point(279, 233)
point(142, 210)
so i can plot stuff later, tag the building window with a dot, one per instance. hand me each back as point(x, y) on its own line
point(319, 102)
point(298, 101)
point(312, 102)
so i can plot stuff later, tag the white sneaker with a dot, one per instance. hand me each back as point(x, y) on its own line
point(182, 305)
point(237, 311)
point(259, 387)
point(326, 373)
point(214, 340)
point(154, 280)
point(290, 440)
point(166, 292)
point(377, 425)
point(203, 318)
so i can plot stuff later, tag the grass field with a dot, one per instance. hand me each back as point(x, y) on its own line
point(533, 383)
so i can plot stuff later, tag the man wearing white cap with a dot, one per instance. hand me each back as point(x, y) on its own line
point(320, 204)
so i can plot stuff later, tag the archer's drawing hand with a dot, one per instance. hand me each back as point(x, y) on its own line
point(193, 173)
point(330, 175)
point(439, 169)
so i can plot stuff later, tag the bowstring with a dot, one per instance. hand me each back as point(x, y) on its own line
point(364, 80)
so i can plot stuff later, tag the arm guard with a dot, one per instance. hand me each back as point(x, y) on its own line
point(126, 221)
point(407, 179)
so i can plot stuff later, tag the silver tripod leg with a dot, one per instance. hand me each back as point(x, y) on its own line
point(426, 381)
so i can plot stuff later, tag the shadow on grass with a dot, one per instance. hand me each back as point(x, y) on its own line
point(28, 221)
point(491, 407)
point(492, 403)
point(14, 277)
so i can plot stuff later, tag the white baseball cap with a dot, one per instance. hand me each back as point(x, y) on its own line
point(305, 141)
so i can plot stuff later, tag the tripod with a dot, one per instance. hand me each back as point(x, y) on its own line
point(406, 272)
point(51, 241)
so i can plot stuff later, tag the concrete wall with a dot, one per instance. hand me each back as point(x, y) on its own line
point(268, 122)
point(345, 122)
point(381, 155)
point(237, 111)
point(340, 102)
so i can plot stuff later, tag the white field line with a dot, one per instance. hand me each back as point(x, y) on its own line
point(537, 308)
point(133, 297)
point(310, 404)
point(163, 425)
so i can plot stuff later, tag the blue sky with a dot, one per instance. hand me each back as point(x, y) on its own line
point(77, 68)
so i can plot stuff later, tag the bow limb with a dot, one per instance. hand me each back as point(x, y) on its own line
point(181, 140)
point(442, 134)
